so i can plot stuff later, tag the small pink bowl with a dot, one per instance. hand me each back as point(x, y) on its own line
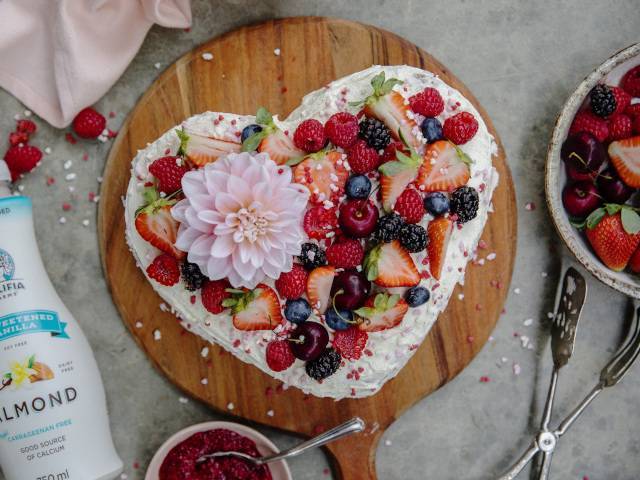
point(279, 470)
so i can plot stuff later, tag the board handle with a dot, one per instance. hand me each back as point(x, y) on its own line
point(354, 457)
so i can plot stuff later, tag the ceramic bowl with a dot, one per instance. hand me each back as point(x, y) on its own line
point(611, 71)
point(279, 470)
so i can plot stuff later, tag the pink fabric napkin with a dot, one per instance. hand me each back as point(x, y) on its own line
point(59, 56)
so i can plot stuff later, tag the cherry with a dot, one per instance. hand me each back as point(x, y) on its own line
point(580, 199)
point(309, 340)
point(350, 289)
point(584, 152)
point(612, 188)
point(358, 218)
point(575, 174)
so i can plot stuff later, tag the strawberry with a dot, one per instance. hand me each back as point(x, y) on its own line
point(631, 82)
point(390, 150)
point(280, 148)
point(323, 173)
point(390, 265)
point(625, 157)
point(320, 222)
point(200, 149)
point(409, 206)
point(168, 171)
point(428, 102)
point(319, 287)
point(342, 129)
point(613, 234)
point(155, 224)
point(619, 127)
point(257, 309)
point(22, 159)
point(164, 269)
point(634, 263)
point(350, 343)
point(460, 128)
point(292, 284)
point(213, 293)
point(445, 167)
point(89, 123)
point(439, 233)
point(397, 175)
point(345, 254)
point(26, 126)
point(16, 138)
point(309, 136)
point(279, 355)
point(363, 158)
point(381, 312)
point(389, 107)
point(586, 121)
point(623, 99)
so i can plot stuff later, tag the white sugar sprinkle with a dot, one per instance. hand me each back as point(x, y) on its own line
point(204, 352)
point(183, 400)
point(157, 335)
point(27, 113)
point(517, 369)
point(70, 176)
point(207, 56)
point(62, 220)
point(544, 274)
point(516, 291)
point(85, 223)
point(270, 413)
point(460, 296)
point(387, 443)
point(157, 65)
point(138, 324)
point(230, 406)
point(276, 52)
point(528, 322)
point(47, 150)
point(204, 381)
point(491, 256)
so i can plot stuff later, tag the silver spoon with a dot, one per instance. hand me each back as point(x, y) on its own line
point(354, 425)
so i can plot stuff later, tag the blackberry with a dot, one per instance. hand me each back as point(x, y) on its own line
point(603, 101)
point(325, 365)
point(464, 203)
point(388, 228)
point(413, 237)
point(375, 133)
point(192, 276)
point(312, 256)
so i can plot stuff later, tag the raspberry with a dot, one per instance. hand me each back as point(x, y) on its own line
point(460, 128)
point(279, 355)
point(89, 123)
point(26, 126)
point(345, 254)
point(350, 343)
point(619, 127)
point(309, 136)
point(292, 284)
point(362, 158)
point(164, 269)
point(342, 129)
point(586, 121)
point(319, 221)
point(169, 172)
point(428, 102)
point(213, 294)
point(390, 150)
point(622, 100)
point(410, 206)
point(631, 82)
point(16, 138)
point(633, 110)
point(22, 159)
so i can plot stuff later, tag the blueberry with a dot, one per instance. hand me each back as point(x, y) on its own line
point(297, 311)
point(250, 130)
point(417, 296)
point(358, 186)
point(436, 203)
point(431, 129)
point(338, 320)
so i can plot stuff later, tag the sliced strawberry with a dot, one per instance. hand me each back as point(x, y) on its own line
point(392, 110)
point(155, 224)
point(319, 287)
point(439, 232)
point(625, 156)
point(381, 312)
point(280, 147)
point(323, 174)
point(445, 168)
point(257, 309)
point(391, 187)
point(606, 233)
point(200, 149)
point(390, 265)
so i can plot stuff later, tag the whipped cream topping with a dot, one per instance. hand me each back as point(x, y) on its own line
point(387, 351)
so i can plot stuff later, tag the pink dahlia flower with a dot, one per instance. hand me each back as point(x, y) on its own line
point(241, 219)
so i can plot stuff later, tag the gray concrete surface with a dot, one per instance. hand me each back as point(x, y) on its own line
point(522, 59)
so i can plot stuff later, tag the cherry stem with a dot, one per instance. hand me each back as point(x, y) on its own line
point(333, 303)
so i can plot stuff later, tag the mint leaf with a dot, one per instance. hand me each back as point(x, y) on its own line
point(263, 117)
point(630, 221)
point(594, 218)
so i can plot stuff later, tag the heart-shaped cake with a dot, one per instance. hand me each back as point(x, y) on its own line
point(323, 247)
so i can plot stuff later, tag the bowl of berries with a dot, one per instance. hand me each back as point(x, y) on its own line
point(592, 177)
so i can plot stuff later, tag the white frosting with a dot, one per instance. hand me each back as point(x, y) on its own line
point(387, 351)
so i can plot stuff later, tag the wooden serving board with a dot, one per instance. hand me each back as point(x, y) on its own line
point(243, 75)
